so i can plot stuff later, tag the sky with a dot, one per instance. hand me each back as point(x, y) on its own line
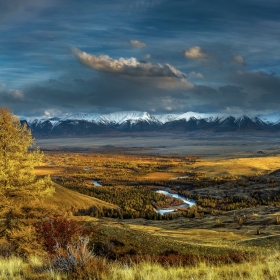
point(160, 56)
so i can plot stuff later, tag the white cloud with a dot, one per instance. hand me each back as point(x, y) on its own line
point(137, 44)
point(195, 53)
point(238, 59)
point(196, 75)
point(147, 56)
point(129, 67)
point(51, 113)
point(16, 94)
point(3, 85)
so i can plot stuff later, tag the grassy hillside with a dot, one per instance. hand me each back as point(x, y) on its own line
point(66, 200)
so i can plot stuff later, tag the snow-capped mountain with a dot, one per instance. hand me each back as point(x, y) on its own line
point(122, 117)
point(270, 118)
point(129, 121)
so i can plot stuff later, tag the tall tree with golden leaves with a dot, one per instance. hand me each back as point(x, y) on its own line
point(17, 178)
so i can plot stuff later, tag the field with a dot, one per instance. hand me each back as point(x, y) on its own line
point(110, 192)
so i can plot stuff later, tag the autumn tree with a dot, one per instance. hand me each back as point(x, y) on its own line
point(17, 161)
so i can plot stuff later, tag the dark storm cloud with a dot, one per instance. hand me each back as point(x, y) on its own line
point(103, 93)
point(262, 81)
point(264, 88)
point(107, 93)
point(206, 98)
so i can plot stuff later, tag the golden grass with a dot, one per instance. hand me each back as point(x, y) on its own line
point(67, 200)
point(12, 268)
point(265, 267)
point(237, 166)
point(260, 270)
point(47, 170)
point(161, 175)
point(191, 235)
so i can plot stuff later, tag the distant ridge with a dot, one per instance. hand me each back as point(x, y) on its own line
point(137, 121)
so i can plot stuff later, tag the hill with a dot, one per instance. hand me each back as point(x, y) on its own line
point(65, 200)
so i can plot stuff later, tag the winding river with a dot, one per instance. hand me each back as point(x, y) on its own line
point(96, 184)
point(187, 202)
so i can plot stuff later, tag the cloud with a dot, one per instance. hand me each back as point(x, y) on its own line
point(12, 95)
point(129, 67)
point(238, 59)
point(196, 75)
point(195, 53)
point(2, 85)
point(104, 93)
point(137, 44)
point(16, 94)
point(259, 80)
point(147, 56)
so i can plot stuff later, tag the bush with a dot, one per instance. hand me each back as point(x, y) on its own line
point(58, 231)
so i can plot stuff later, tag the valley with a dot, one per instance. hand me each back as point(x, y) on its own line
point(236, 194)
point(114, 189)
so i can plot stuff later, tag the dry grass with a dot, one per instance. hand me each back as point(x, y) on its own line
point(191, 235)
point(238, 166)
point(66, 200)
point(12, 268)
point(260, 270)
point(161, 175)
point(266, 267)
point(47, 170)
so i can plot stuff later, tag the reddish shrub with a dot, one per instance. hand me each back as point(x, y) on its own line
point(59, 231)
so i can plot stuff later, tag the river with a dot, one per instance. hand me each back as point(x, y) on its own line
point(96, 184)
point(187, 202)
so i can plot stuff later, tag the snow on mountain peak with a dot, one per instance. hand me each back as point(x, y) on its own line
point(119, 118)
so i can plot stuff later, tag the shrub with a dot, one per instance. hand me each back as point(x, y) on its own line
point(58, 231)
point(73, 256)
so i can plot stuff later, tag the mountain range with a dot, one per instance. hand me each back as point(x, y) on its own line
point(135, 121)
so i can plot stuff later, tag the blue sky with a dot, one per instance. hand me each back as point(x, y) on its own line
point(160, 56)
